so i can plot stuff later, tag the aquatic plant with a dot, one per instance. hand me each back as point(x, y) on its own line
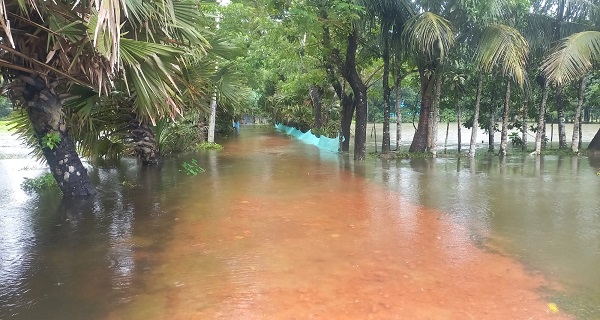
point(192, 168)
point(210, 146)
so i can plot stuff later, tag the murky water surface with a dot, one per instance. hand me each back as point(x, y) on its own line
point(275, 229)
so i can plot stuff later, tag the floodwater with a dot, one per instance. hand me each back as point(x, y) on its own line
point(449, 134)
point(275, 229)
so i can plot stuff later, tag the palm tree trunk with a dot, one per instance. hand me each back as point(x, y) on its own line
point(577, 121)
point(398, 89)
point(446, 140)
point(580, 133)
point(539, 136)
point(212, 119)
point(459, 116)
point(385, 143)
point(560, 108)
point(421, 138)
point(44, 108)
point(436, 115)
point(524, 122)
point(476, 117)
point(504, 136)
point(492, 124)
point(144, 141)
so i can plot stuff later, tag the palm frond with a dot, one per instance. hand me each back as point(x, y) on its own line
point(504, 47)
point(430, 35)
point(573, 57)
point(23, 129)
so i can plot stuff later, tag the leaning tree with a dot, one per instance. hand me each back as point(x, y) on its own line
point(49, 48)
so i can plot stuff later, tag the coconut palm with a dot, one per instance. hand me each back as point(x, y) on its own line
point(430, 36)
point(49, 48)
point(504, 47)
point(572, 59)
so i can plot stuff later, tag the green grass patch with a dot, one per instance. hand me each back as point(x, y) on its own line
point(401, 155)
point(210, 146)
point(43, 182)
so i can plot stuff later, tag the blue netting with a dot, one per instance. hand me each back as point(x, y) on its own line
point(322, 142)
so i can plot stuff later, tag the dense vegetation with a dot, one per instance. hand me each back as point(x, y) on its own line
point(107, 78)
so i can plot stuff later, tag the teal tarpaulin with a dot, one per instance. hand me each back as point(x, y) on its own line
point(322, 142)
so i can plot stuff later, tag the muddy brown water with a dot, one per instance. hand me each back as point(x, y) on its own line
point(275, 229)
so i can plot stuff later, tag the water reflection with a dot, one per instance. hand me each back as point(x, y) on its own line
point(543, 210)
point(74, 258)
point(277, 229)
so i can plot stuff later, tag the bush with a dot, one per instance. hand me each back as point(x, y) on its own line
point(43, 182)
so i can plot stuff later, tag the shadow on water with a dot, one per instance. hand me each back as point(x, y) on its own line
point(545, 211)
point(76, 258)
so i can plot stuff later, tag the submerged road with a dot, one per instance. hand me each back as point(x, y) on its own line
point(273, 229)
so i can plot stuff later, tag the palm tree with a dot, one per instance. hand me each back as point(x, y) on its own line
point(50, 48)
point(430, 36)
point(504, 47)
point(572, 59)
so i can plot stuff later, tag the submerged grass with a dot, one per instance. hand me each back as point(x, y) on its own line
point(479, 154)
point(210, 146)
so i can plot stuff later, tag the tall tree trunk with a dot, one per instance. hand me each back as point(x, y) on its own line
point(213, 116)
point(580, 141)
point(504, 136)
point(348, 70)
point(346, 100)
point(144, 140)
point(577, 121)
point(398, 89)
point(492, 125)
point(44, 108)
point(436, 115)
point(421, 139)
point(385, 143)
point(539, 135)
point(360, 131)
point(346, 121)
point(524, 121)
point(560, 108)
point(446, 140)
point(315, 96)
point(476, 117)
point(459, 116)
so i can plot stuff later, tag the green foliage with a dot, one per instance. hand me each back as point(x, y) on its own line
point(51, 140)
point(210, 146)
point(5, 107)
point(515, 139)
point(192, 168)
point(43, 182)
point(179, 136)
